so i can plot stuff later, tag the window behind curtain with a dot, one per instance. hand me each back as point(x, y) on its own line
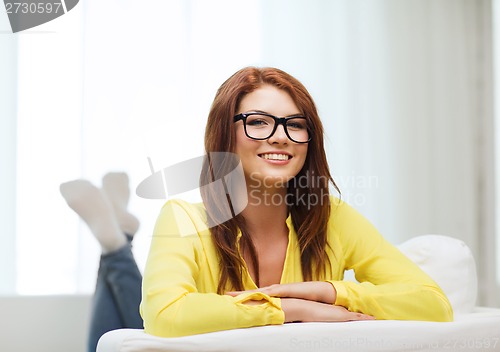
point(101, 89)
point(108, 85)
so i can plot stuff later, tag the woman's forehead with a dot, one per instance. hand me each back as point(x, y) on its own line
point(269, 99)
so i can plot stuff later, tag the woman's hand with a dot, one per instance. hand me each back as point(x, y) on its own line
point(310, 311)
point(318, 291)
point(311, 301)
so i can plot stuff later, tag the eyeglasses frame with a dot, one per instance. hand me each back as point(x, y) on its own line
point(277, 121)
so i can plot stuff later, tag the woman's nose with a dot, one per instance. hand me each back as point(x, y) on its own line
point(279, 136)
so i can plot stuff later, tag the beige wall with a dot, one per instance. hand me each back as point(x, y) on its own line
point(44, 323)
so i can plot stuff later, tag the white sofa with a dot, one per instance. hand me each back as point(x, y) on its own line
point(447, 260)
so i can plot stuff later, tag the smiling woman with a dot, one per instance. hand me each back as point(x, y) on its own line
point(411, 147)
point(283, 157)
point(278, 262)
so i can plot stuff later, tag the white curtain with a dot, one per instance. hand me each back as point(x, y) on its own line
point(8, 90)
point(496, 132)
point(404, 89)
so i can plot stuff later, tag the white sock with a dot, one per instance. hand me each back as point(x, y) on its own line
point(96, 210)
point(115, 186)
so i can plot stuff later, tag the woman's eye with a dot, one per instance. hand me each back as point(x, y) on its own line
point(257, 122)
point(296, 125)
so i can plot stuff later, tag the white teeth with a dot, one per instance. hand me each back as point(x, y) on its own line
point(275, 156)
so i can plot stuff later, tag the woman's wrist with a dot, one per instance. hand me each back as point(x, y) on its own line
point(292, 309)
point(317, 291)
point(328, 293)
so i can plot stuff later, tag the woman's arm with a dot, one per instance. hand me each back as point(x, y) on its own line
point(390, 285)
point(318, 291)
point(172, 304)
point(310, 301)
point(311, 311)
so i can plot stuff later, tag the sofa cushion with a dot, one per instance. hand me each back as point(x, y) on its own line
point(450, 263)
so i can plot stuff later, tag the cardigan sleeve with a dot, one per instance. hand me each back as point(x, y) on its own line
point(390, 285)
point(172, 304)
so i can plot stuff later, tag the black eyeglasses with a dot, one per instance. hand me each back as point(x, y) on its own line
point(260, 126)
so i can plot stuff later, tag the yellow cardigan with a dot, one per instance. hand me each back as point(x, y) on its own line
point(180, 279)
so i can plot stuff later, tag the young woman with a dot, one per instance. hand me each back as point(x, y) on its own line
point(281, 259)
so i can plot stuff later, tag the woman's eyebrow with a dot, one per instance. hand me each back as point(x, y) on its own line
point(259, 111)
point(265, 112)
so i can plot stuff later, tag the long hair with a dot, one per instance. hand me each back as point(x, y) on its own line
point(308, 191)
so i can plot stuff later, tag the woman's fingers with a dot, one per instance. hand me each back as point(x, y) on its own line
point(268, 290)
point(310, 311)
point(297, 309)
point(237, 293)
point(311, 290)
point(339, 313)
point(360, 316)
point(233, 293)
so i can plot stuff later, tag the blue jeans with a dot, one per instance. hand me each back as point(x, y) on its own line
point(115, 304)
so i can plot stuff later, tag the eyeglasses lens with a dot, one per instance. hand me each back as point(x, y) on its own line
point(262, 126)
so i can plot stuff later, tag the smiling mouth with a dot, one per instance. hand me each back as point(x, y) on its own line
point(274, 156)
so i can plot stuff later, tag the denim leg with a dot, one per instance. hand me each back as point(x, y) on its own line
point(104, 315)
point(117, 296)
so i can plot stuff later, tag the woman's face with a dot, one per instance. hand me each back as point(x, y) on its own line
point(273, 161)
